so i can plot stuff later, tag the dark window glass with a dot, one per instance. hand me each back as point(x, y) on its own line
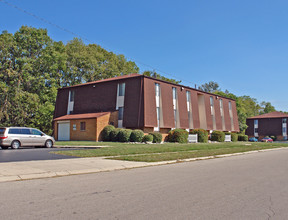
point(120, 113)
point(82, 126)
point(2, 130)
point(284, 120)
point(25, 131)
point(14, 131)
point(121, 89)
point(36, 132)
point(256, 130)
point(72, 94)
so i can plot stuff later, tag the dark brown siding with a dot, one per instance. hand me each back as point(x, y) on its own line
point(208, 112)
point(217, 114)
point(269, 126)
point(235, 116)
point(226, 115)
point(167, 105)
point(61, 103)
point(250, 130)
point(195, 109)
point(133, 103)
point(100, 98)
point(182, 105)
point(150, 117)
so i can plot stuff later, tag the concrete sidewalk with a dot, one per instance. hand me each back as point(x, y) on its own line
point(15, 171)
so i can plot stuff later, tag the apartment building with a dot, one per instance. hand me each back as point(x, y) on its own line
point(138, 102)
point(270, 124)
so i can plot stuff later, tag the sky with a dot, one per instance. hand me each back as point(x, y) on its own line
point(240, 44)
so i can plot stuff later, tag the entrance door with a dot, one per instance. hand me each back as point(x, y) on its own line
point(64, 131)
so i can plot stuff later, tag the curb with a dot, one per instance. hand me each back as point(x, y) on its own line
point(43, 175)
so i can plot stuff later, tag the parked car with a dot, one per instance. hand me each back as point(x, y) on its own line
point(267, 139)
point(253, 139)
point(16, 137)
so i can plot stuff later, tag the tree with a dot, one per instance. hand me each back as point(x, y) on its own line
point(158, 76)
point(210, 87)
point(33, 67)
point(266, 108)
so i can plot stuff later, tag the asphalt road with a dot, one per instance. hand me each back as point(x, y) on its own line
point(30, 154)
point(252, 186)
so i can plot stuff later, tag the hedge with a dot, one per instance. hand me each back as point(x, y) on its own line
point(178, 135)
point(202, 135)
point(137, 136)
point(114, 135)
point(147, 138)
point(124, 135)
point(234, 137)
point(242, 137)
point(106, 132)
point(157, 137)
point(218, 136)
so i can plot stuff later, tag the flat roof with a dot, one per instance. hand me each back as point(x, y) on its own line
point(270, 115)
point(80, 116)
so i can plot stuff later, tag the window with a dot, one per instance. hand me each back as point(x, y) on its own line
point(72, 94)
point(212, 105)
point(284, 120)
point(157, 89)
point(25, 131)
point(120, 113)
point(82, 126)
point(284, 130)
point(2, 130)
point(121, 91)
point(230, 105)
point(158, 113)
point(256, 130)
point(255, 122)
point(174, 93)
point(36, 132)
point(14, 131)
point(188, 94)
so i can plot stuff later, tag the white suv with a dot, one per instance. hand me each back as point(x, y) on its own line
point(16, 137)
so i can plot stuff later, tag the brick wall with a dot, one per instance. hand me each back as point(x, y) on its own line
point(88, 135)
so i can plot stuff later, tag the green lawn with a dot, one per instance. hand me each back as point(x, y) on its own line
point(162, 152)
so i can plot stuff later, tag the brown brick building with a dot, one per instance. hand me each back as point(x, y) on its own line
point(270, 124)
point(137, 101)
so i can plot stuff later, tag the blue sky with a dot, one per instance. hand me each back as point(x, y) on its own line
point(241, 44)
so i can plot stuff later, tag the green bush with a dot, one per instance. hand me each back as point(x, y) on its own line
point(273, 137)
point(242, 137)
point(157, 137)
point(202, 135)
point(218, 136)
point(234, 137)
point(114, 135)
point(106, 132)
point(124, 135)
point(147, 138)
point(178, 135)
point(136, 136)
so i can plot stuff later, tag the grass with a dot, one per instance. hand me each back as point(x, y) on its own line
point(163, 152)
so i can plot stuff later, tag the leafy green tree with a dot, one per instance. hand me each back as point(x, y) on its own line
point(210, 87)
point(158, 76)
point(266, 108)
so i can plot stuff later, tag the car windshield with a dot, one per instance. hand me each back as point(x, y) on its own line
point(2, 130)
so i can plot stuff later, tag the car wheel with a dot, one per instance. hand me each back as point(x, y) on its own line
point(48, 144)
point(15, 144)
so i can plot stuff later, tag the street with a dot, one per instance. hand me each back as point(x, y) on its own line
point(252, 186)
point(31, 153)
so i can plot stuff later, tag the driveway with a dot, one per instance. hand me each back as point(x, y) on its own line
point(30, 154)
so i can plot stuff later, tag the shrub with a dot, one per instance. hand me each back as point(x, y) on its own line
point(218, 136)
point(106, 132)
point(157, 137)
point(178, 135)
point(124, 135)
point(147, 138)
point(234, 137)
point(114, 135)
point(273, 137)
point(202, 135)
point(136, 136)
point(242, 137)
point(227, 133)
